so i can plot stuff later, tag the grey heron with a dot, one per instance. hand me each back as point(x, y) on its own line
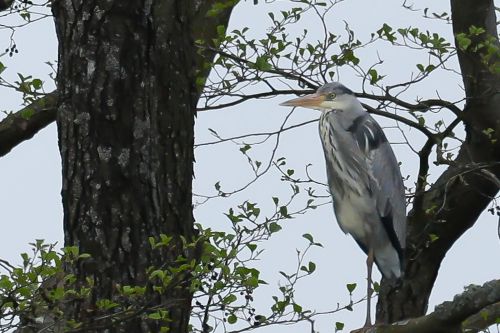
point(364, 179)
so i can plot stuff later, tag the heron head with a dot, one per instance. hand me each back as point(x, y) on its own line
point(330, 96)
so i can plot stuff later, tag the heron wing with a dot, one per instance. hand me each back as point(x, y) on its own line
point(384, 179)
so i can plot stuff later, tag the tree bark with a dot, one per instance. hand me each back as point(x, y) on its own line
point(5, 4)
point(127, 99)
point(466, 313)
point(453, 204)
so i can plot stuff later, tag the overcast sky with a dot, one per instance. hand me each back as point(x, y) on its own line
point(30, 176)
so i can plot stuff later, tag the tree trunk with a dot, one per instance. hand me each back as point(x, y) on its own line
point(127, 98)
point(454, 203)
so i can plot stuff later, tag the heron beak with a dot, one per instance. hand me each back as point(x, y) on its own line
point(311, 101)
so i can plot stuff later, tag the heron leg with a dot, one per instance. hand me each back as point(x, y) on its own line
point(369, 291)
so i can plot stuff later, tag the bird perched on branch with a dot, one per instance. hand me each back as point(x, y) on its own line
point(364, 179)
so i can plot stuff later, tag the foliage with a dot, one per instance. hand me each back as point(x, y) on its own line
point(287, 59)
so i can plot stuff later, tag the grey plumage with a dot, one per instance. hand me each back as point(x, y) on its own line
point(363, 175)
point(361, 170)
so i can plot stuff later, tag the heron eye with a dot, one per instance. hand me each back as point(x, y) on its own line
point(331, 96)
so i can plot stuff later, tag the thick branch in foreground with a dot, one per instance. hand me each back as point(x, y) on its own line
point(483, 319)
point(453, 316)
point(24, 124)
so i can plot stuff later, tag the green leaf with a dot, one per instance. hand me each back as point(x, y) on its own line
point(252, 282)
point(5, 283)
point(219, 6)
point(463, 41)
point(374, 78)
point(312, 267)
point(165, 240)
point(274, 227)
point(232, 319)
point(27, 113)
point(233, 217)
point(106, 304)
point(218, 285)
point(351, 287)
point(262, 64)
point(25, 291)
point(221, 31)
point(155, 316)
point(433, 237)
point(71, 251)
point(430, 68)
point(284, 211)
point(26, 16)
point(251, 246)
point(297, 308)
point(475, 31)
point(152, 242)
point(26, 259)
point(200, 81)
point(421, 121)
point(339, 326)
point(84, 256)
point(245, 148)
point(127, 290)
point(229, 299)
point(157, 273)
point(37, 83)
point(260, 318)
point(386, 31)
point(309, 237)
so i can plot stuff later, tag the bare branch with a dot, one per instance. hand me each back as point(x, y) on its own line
point(420, 106)
point(243, 98)
point(266, 134)
point(400, 119)
point(282, 72)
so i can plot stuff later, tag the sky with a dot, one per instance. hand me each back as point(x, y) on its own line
point(30, 176)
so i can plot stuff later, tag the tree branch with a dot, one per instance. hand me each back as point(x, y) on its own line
point(441, 212)
point(243, 98)
point(420, 106)
point(24, 124)
point(279, 71)
point(400, 119)
point(450, 316)
point(482, 319)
